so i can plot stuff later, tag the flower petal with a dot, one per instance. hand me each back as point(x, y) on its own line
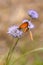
point(31, 25)
point(25, 20)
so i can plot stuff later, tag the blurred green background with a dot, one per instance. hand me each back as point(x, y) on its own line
point(12, 12)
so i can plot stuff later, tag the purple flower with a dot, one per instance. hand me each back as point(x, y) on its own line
point(14, 31)
point(33, 13)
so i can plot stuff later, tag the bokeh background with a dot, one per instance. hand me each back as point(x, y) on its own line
point(12, 12)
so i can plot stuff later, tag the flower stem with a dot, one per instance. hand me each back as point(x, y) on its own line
point(10, 52)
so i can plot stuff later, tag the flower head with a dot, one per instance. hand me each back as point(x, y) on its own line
point(14, 31)
point(33, 14)
point(31, 26)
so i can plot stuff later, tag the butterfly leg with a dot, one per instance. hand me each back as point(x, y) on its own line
point(25, 29)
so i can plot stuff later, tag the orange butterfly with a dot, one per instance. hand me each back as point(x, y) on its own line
point(25, 27)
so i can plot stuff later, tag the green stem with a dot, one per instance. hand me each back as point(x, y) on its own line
point(38, 49)
point(10, 52)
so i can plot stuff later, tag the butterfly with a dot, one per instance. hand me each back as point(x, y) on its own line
point(25, 27)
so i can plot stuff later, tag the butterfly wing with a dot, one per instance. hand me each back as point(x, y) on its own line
point(24, 25)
